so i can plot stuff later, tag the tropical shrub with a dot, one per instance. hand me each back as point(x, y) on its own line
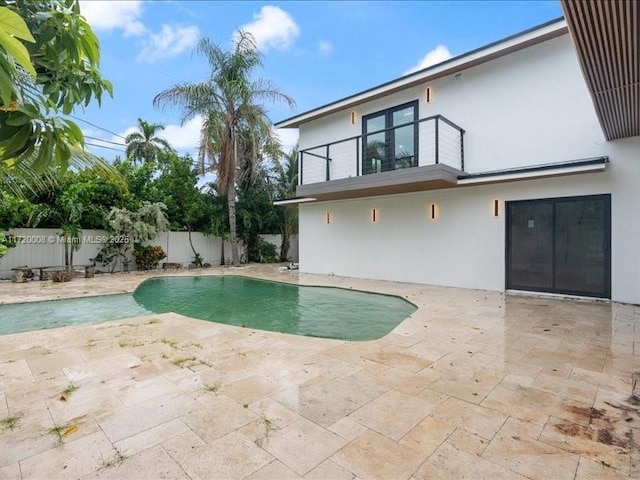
point(266, 251)
point(148, 258)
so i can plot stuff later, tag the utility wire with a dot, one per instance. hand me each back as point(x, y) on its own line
point(104, 146)
point(105, 141)
point(97, 126)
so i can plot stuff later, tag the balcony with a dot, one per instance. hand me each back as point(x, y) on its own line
point(422, 155)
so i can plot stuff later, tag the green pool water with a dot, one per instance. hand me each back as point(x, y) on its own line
point(264, 305)
point(25, 317)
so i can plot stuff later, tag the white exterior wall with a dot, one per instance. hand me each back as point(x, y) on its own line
point(527, 108)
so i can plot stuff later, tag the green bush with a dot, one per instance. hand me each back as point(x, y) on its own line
point(266, 251)
point(147, 258)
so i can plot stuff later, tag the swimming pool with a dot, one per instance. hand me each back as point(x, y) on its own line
point(232, 300)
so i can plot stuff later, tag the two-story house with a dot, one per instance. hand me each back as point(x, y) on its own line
point(515, 166)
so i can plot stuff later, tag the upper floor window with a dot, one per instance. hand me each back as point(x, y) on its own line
point(390, 139)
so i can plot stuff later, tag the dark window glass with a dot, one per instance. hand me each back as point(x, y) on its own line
point(396, 143)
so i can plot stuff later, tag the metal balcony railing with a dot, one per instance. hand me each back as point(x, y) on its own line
point(430, 140)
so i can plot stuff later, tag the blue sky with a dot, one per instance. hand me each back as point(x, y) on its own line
point(315, 52)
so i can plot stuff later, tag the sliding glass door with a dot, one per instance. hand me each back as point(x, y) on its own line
point(560, 245)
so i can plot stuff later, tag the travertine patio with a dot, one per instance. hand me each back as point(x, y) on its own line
point(473, 385)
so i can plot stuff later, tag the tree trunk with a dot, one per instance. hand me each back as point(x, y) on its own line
point(222, 259)
point(66, 252)
point(190, 241)
point(231, 199)
point(286, 238)
point(232, 221)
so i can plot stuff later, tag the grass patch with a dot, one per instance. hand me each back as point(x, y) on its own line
point(185, 362)
point(172, 343)
point(215, 388)
point(61, 431)
point(127, 343)
point(72, 387)
point(10, 423)
point(269, 427)
point(114, 461)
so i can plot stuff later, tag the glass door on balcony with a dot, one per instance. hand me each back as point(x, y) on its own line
point(375, 145)
point(390, 145)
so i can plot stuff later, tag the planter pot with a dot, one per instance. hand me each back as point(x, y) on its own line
point(89, 271)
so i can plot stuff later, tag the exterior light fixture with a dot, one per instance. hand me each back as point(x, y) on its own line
point(433, 212)
point(375, 215)
point(353, 117)
point(496, 208)
point(328, 217)
point(458, 76)
point(428, 94)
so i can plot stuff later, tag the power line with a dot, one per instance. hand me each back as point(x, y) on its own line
point(106, 141)
point(104, 146)
point(97, 126)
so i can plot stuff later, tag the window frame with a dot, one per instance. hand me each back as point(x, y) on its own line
point(389, 131)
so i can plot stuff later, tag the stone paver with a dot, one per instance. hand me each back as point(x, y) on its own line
point(472, 385)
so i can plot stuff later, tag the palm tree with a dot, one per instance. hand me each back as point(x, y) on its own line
point(227, 103)
point(144, 145)
point(287, 182)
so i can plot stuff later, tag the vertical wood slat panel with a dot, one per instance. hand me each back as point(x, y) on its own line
point(605, 35)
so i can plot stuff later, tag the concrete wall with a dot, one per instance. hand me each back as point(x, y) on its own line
point(527, 108)
point(42, 247)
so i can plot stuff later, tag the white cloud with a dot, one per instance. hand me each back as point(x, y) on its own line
point(105, 16)
point(170, 42)
point(325, 47)
point(437, 55)
point(272, 27)
point(184, 138)
point(288, 138)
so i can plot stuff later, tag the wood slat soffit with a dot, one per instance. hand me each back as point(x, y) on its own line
point(605, 33)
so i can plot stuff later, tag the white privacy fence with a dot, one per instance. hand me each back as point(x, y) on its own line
point(43, 247)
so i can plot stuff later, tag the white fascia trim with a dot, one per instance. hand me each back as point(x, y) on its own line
point(293, 201)
point(506, 177)
point(430, 73)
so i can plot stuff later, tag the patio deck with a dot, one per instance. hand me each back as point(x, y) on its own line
point(474, 384)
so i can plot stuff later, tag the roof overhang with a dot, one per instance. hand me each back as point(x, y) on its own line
point(587, 165)
point(527, 38)
point(294, 201)
point(605, 34)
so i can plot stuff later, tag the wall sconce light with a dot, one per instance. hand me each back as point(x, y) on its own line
point(328, 217)
point(433, 211)
point(428, 94)
point(353, 117)
point(496, 208)
point(375, 215)
point(458, 76)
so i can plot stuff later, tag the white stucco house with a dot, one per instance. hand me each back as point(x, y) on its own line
point(515, 166)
